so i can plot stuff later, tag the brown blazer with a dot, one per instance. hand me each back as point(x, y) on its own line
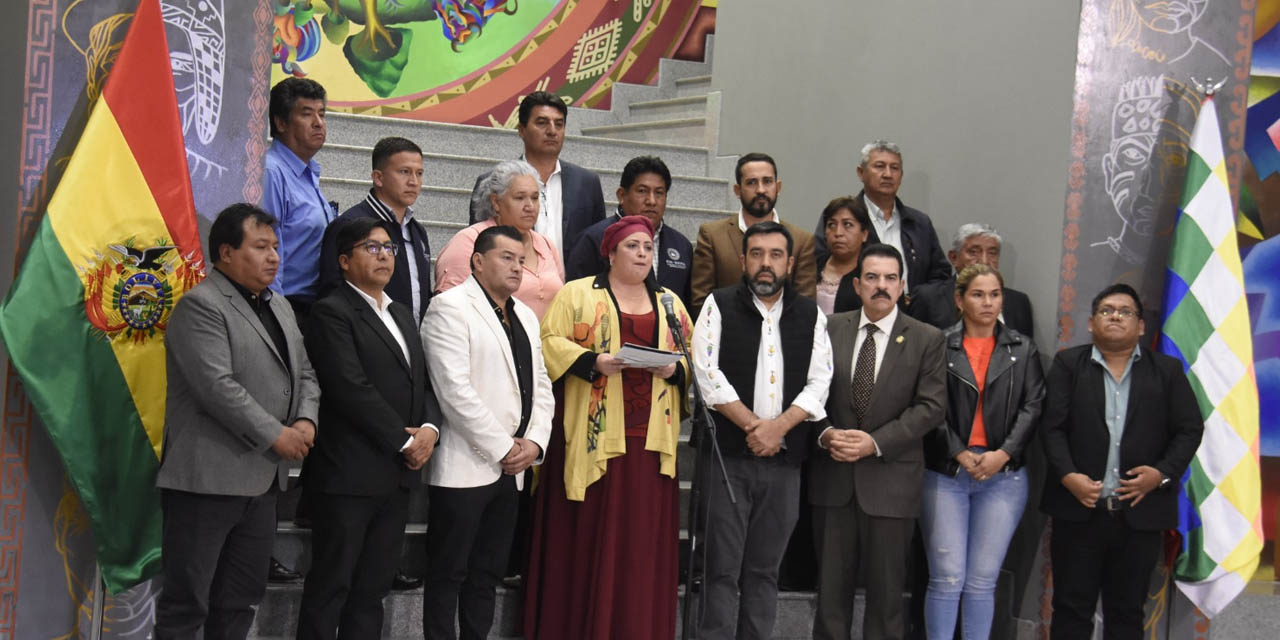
point(717, 260)
point(907, 402)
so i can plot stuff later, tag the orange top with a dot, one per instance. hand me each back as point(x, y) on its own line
point(979, 352)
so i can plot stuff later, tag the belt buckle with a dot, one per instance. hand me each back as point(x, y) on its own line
point(1113, 504)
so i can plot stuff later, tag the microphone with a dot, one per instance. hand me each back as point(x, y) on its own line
point(668, 303)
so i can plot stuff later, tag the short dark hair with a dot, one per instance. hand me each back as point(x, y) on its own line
point(641, 165)
point(228, 227)
point(851, 204)
point(354, 231)
point(1117, 288)
point(753, 157)
point(387, 147)
point(761, 228)
point(286, 93)
point(882, 250)
point(541, 99)
point(488, 239)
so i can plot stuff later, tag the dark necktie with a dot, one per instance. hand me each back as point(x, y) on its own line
point(864, 375)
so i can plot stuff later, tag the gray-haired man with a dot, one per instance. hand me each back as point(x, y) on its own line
point(973, 243)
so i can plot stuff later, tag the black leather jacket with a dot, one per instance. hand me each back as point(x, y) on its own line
point(1014, 397)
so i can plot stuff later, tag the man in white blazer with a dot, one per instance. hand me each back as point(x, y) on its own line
point(484, 356)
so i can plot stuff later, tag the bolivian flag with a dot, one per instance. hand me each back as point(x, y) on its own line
point(84, 322)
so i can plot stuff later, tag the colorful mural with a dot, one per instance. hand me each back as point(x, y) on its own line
point(470, 61)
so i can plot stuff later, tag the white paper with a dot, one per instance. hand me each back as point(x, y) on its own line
point(645, 357)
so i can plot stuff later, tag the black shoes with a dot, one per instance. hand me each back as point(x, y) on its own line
point(404, 582)
point(282, 574)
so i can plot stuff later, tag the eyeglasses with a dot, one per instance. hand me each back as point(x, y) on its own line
point(1125, 313)
point(374, 248)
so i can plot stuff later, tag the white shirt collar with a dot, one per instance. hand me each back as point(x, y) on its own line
point(742, 220)
point(877, 214)
point(380, 306)
point(885, 324)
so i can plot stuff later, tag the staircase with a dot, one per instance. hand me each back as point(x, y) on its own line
point(677, 120)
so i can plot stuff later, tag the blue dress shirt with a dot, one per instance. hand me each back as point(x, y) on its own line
point(293, 197)
point(1117, 411)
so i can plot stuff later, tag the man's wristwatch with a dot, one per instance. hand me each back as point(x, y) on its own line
point(1164, 481)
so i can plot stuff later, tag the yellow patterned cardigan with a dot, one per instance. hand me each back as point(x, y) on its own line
point(583, 318)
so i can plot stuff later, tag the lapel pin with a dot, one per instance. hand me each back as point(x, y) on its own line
point(901, 339)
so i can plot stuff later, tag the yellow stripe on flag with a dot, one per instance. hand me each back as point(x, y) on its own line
point(104, 199)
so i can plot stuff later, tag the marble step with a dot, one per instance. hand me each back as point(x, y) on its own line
point(693, 85)
point(689, 130)
point(683, 107)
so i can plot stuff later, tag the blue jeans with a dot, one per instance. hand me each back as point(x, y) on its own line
point(967, 526)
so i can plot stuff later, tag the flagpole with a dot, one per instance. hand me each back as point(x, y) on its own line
point(99, 593)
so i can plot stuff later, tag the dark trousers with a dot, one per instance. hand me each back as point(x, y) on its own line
point(1102, 556)
point(216, 553)
point(850, 542)
point(745, 543)
point(468, 541)
point(355, 549)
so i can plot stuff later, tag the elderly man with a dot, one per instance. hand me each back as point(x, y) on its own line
point(973, 243)
point(763, 361)
point(241, 399)
point(717, 257)
point(1120, 427)
point(293, 188)
point(379, 414)
point(486, 360)
point(908, 230)
point(570, 197)
point(887, 392)
point(643, 192)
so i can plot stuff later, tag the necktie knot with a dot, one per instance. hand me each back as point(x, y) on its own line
point(871, 330)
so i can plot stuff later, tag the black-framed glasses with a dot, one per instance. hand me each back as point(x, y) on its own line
point(1125, 312)
point(374, 248)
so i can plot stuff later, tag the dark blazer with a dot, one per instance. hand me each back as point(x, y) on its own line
point(924, 257)
point(906, 403)
point(399, 288)
point(369, 395)
point(582, 197)
point(1162, 429)
point(935, 303)
point(675, 262)
point(1012, 399)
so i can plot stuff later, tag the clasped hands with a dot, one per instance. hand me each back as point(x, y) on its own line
point(1139, 482)
point(419, 451)
point(848, 445)
point(521, 456)
point(981, 466)
point(295, 440)
point(609, 365)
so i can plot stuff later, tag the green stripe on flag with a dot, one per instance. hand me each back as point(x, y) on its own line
point(76, 386)
point(1188, 327)
point(1190, 250)
point(1197, 173)
point(1195, 564)
point(1202, 398)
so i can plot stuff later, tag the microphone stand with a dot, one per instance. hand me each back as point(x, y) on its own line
point(694, 493)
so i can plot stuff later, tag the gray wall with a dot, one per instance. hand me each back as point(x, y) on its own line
point(978, 94)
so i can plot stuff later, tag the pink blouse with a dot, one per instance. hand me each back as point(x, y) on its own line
point(537, 288)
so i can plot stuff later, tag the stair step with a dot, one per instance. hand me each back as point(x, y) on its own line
point(490, 142)
point(684, 107)
point(352, 162)
point(667, 131)
point(693, 85)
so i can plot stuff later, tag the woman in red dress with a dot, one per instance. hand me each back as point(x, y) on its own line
point(606, 520)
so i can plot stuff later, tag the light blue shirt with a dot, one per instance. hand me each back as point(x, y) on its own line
point(1117, 409)
point(293, 197)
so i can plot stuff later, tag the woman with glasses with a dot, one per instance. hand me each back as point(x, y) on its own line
point(975, 487)
point(508, 196)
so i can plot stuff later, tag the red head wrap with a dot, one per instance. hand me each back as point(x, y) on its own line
point(624, 227)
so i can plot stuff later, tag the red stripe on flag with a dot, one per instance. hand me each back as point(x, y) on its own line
point(140, 93)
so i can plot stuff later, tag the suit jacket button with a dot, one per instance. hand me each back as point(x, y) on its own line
point(287, 391)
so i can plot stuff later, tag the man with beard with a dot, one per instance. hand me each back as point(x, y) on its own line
point(889, 390)
point(766, 382)
point(717, 258)
point(908, 230)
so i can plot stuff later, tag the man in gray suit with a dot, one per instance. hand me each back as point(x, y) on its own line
point(242, 398)
point(888, 389)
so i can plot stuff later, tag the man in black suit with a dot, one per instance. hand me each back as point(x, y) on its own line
point(643, 192)
point(973, 243)
point(908, 230)
point(1120, 426)
point(571, 198)
point(379, 414)
point(888, 389)
point(397, 181)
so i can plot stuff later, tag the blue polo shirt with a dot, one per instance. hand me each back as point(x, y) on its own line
point(293, 197)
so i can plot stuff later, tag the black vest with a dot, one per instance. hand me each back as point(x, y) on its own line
point(740, 347)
